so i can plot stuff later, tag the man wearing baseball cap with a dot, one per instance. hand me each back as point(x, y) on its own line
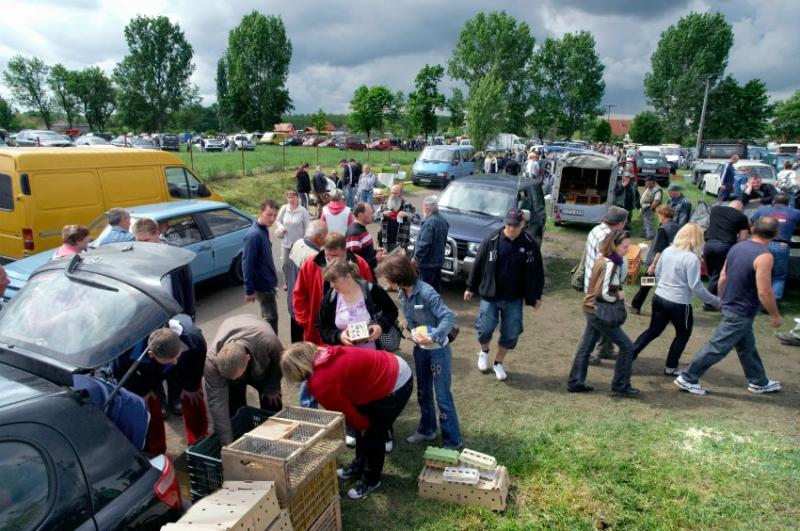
point(508, 273)
point(679, 203)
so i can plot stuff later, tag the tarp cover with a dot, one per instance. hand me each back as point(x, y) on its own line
point(595, 161)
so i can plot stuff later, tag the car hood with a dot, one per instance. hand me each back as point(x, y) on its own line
point(469, 227)
point(74, 335)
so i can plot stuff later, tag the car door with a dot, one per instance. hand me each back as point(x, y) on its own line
point(43, 485)
point(226, 228)
point(184, 232)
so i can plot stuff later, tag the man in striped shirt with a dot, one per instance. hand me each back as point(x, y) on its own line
point(359, 240)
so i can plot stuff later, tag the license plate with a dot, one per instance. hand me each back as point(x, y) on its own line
point(647, 171)
point(424, 180)
point(571, 212)
point(448, 264)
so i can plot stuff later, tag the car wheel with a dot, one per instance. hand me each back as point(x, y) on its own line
point(236, 274)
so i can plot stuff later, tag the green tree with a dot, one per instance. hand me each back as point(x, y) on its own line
point(8, 117)
point(59, 80)
point(786, 125)
point(27, 79)
point(646, 128)
point(196, 117)
point(687, 53)
point(455, 108)
point(484, 111)
point(94, 95)
point(257, 66)
point(223, 103)
point(426, 99)
point(738, 111)
point(496, 44)
point(371, 107)
point(153, 79)
point(569, 76)
point(601, 132)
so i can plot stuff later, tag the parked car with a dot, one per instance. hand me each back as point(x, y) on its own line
point(213, 231)
point(779, 160)
point(212, 145)
point(383, 144)
point(94, 141)
point(39, 138)
point(292, 141)
point(242, 142)
point(651, 163)
point(474, 207)
point(134, 142)
point(327, 142)
point(351, 143)
point(169, 142)
point(713, 153)
point(712, 183)
point(672, 153)
point(64, 464)
point(440, 165)
point(583, 188)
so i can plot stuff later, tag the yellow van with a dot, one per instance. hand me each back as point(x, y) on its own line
point(43, 189)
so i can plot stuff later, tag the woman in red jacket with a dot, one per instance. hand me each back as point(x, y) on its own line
point(371, 388)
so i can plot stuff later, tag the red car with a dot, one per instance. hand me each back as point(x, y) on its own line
point(352, 144)
point(327, 142)
point(384, 144)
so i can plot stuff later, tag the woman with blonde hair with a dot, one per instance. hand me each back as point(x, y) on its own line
point(677, 279)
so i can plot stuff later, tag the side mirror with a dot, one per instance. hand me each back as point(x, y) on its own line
point(203, 191)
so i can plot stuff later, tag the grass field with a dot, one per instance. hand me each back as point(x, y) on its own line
point(730, 460)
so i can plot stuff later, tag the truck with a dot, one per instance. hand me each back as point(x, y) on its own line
point(715, 152)
point(506, 141)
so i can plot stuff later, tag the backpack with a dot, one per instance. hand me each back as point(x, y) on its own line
point(701, 215)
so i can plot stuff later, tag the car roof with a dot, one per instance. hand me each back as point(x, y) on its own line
point(18, 386)
point(158, 211)
point(749, 162)
point(496, 180)
point(451, 147)
point(42, 158)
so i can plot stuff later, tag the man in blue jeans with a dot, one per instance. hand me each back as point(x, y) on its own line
point(745, 285)
point(508, 271)
point(788, 219)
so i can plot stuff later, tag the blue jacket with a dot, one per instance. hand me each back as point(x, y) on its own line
point(257, 263)
point(117, 234)
point(425, 307)
point(431, 241)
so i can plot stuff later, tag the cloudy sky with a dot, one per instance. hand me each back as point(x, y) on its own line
point(341, 44)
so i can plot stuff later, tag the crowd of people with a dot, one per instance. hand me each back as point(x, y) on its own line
point(345, 326)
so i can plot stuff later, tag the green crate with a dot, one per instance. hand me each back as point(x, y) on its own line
point(203, 458)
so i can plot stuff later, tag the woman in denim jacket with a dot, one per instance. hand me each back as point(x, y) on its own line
point(423, 306)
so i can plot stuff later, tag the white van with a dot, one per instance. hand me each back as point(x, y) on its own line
point(583, 188)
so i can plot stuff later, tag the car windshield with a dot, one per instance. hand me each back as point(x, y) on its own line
point(92, 140)
point(471, 196)
point(76, 323)
point(671, 151)
point(432, 154)
point(719, 151)
point(765, 172)
point(651, 154)
point(47, 135)
point(141, 142)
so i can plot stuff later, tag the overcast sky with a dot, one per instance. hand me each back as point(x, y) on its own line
point(339, 45)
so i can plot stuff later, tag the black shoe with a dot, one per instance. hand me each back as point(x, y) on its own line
point(628, 392)
point(580, 388)
point(362, 490)
point(348, 472)
point(176, 409)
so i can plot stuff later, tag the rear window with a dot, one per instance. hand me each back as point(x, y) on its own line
point(719, 151)
point(25, 485)
point(6, 193)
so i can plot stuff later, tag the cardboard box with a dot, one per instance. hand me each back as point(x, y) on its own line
point(238, 505)
point(489, 494)
point(281, 523)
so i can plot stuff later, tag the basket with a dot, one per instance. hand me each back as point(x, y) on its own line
point(290, 449)
point(203, 458)
point(314, 498)
point(330, 519)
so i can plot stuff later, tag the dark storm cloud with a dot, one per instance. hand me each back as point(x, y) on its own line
point(339, 45)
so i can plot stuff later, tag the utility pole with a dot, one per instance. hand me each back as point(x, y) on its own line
point(610, 106)
point(703, 115)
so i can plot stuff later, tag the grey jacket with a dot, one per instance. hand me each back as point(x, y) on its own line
point(265, 351)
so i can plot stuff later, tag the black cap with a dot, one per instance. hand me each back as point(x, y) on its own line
point(514, 217)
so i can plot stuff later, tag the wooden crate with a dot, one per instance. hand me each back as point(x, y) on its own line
point(330, 519)
point(489, 494)
point(315, 496)
point(287, 449)
point(281, 523)
point(238, 505)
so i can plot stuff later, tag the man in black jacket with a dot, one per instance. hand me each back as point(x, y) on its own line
point(506, 261)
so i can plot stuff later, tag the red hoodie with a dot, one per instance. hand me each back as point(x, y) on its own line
point(309, 290)
point(346, 377)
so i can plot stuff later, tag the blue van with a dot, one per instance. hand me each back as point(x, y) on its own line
point(439, 165)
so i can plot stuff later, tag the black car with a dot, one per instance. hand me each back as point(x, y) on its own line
point(652, 163)
point(169, 142)
point(475, 206)
point(64, 464)
point(292, 141)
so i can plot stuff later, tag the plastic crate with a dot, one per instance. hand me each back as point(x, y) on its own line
point(314, 498)
point(203, 458)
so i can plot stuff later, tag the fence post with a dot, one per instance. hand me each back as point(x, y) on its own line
point(191, 156)
point(242, 150)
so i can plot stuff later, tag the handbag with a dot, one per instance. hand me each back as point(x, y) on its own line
point(611, 313)
point(390, 339)
point(453, 333)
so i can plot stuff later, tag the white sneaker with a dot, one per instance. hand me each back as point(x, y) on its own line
point(771, 387)
point(695, 389)
point(483, 361)
point(499, 371)
point(350, 441)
